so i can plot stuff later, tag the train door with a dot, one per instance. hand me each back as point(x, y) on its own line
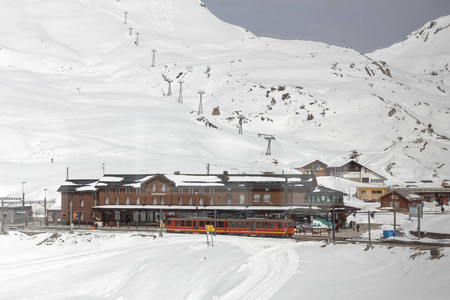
point(252, 227)
point(195, 224)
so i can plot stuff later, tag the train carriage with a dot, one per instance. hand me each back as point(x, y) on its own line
point(251, 227)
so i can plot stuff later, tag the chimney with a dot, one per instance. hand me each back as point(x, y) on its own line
point(225, 176)
point(176, 172)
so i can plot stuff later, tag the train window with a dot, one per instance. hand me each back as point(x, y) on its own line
point(234, 224)
point(209, 222)
point(290, 224)
point(280, 224)
point(265, 225)
point(240, 224)
point(258, 225)
point(272, 225)
point(246, 224)
point(189, 223)
point(177, 223)
point(183, 223)
point(169, 222)
point(220, 224)
point(229, 224)
point(202, 224)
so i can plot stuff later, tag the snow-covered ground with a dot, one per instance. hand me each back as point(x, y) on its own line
point(99, 265)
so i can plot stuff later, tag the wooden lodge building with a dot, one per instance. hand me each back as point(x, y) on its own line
point(139, 199)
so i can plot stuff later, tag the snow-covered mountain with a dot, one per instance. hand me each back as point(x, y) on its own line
point(77, 92)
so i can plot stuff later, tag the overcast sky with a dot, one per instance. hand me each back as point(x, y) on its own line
point(364, 25)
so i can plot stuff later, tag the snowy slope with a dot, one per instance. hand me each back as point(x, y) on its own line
point(99, 265)
point(76, 89)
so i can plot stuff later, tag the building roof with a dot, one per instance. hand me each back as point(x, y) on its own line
point(72, 185)
point(340, 164)
point(406, 193)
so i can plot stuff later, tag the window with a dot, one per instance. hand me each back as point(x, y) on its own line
point(163, 187)
point(266, 197)
point(138, 201)
point(153, 187)
point(180, 191)
point(82, 194)
point(81, 216)
point(107, 190)
point(162, 200)
point(228, 198)
point(135, 216)
point(200, 201)
point(190, 191)
point(256, 197)
point(365, 179)
point(155, 200)
point(267, 189)
point(211, 191)
point(363, 192)
point(190, 201)
point(241, 198)
point(180, 201)
point(117, 190)
point(211, 201)
point(117, 200)
point(137, 191)
point(127, 201)
point(127, 191)
point(81, 203)
point(377, 180)
point(201, 191)
point(376, 192)
point(106, 200)
point(70, 194)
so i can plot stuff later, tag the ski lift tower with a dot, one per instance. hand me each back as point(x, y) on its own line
point(269, 139)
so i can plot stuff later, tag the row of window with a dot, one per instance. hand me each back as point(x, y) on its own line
point(374, 192)
point(256, 198)
point(230, 224)
point(324, 199)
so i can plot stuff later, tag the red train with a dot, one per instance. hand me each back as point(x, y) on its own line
point(251, 227)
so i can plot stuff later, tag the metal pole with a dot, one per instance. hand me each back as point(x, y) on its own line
point(137, 39)
point(70, 217)
point(334, 224)
point(125, 22)
point(215, 221)
point(418, 221)
point(395, 216)
point(180, 96)
point(200, 104)
point(23, 194)
point(368, 226)
point(153, 58)
point(3, 217)
point(45, 208)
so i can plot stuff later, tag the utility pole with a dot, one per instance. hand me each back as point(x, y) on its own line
point(241, 119)
point(71, 216)
point(137, 39)
point(200, 105)
point(368, 226)
point(45, 208)
point(103, 169)
point(334, 224)
point(131, 29)
point(180, 95)
point(169, 91)
point(269, 139)
point(395, 204)
point(23, 194)
point(419, 211)
point(125, 22)
point(153, 58)
point(3, 217)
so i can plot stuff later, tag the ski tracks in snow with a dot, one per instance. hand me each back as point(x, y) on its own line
point(269, 270)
